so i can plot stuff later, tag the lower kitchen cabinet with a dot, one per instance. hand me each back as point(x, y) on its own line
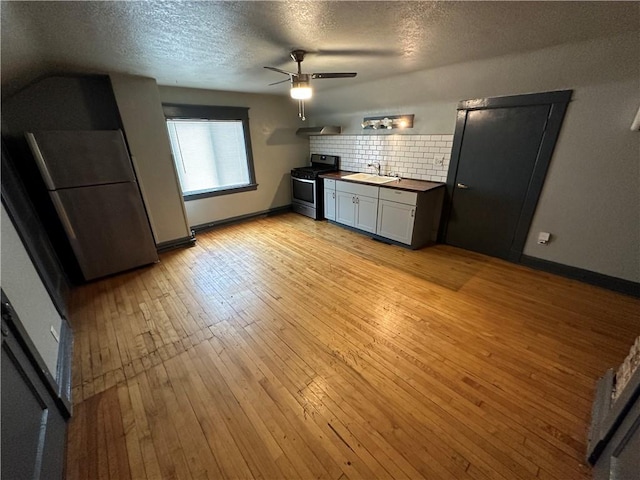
point(395, 221)
point(397, 214)
point(357, 206)
point(345, 208)
point(409, 218)
point(330, 199)
point(366, 213)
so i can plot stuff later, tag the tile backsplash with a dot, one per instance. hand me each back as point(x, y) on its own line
point(422, 157)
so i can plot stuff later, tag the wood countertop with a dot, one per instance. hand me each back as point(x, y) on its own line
point(402, 184)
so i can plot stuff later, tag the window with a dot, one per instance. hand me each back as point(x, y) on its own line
point(211, 149)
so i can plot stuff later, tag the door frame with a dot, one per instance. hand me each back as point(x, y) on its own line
point(558, 101)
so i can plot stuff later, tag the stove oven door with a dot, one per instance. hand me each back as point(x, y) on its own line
point(303, 191)
point(305, 199)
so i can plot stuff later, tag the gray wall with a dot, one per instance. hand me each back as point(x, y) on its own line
point(140, 109)
point(591, 199)
point(276, 150)
point(27, 294)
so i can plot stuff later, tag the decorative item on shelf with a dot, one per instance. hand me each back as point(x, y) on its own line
point(388, 122)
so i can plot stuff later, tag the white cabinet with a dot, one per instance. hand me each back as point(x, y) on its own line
point(406, 217)
point(366, 213)
point(357, 205)
point(345, 208)
point(396, 215)
point(329, 199)
point(395, 221)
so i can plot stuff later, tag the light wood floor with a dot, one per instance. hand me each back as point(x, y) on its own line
point(288, 348)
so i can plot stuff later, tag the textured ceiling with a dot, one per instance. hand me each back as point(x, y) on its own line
point(224, 45)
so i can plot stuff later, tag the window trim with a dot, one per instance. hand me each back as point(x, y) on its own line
point(178, 111)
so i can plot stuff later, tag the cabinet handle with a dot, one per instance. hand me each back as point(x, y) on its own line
point(358, 200)
point(413, 211)
point(333, 194)
point(462, 185)
point(353, 199)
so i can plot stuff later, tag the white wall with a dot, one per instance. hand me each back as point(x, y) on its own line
point(140, 109)
point(276, 149)
point(591, 198)
point(31, 301)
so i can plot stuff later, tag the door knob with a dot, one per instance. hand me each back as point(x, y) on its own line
point(462, 185)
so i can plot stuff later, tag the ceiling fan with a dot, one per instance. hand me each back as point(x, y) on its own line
point(301, 82)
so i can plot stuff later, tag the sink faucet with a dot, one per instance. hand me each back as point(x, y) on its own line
point(376, 165)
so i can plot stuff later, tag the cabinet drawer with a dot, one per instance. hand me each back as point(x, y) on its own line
point(400, 196)
point(357, 189)
point(330, 184)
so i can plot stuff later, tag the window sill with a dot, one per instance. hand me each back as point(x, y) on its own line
point(222, 191)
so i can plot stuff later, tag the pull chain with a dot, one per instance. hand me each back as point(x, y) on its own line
point(301, 110)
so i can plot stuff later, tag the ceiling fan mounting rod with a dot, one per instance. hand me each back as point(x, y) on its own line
point(298, 57)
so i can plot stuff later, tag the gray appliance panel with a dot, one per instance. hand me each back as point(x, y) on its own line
point(107, 227)
point(79, 158)
point(330, 160)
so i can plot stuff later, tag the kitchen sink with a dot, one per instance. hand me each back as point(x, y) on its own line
point(368, 178)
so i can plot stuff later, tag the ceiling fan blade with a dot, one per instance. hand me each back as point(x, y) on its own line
point(333, 75)
point(279, 71)
point(371, 52)
point(281, 81)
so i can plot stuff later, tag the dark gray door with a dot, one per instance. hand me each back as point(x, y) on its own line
point(502, 148)
point(33, 428)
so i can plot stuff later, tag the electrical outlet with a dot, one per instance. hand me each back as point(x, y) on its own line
point(543, 238)
point(438, 159)
point(54, 332)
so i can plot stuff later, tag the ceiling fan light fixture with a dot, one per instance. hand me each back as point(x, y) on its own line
point(301, 90)
point(301, 82)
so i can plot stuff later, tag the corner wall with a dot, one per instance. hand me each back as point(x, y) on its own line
point(27, 294)
point(590, 202)
point(140, 109)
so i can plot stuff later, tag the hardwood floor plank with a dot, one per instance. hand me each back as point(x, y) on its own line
point(131, 434)
point(118, 455)
point(220, 441)
point(288, 348)
point(169, 451)
point(200, 461)
point(142, 429)
point(252, 439)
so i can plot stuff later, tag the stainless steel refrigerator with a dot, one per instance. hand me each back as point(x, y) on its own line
point(92, 185)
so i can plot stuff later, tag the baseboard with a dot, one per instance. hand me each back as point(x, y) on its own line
point(241, 218)
point(189, 241)
point(65, 358)
point(598, 279)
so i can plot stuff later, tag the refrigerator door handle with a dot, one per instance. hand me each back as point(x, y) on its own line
point(63, 215)
point(42, 165)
